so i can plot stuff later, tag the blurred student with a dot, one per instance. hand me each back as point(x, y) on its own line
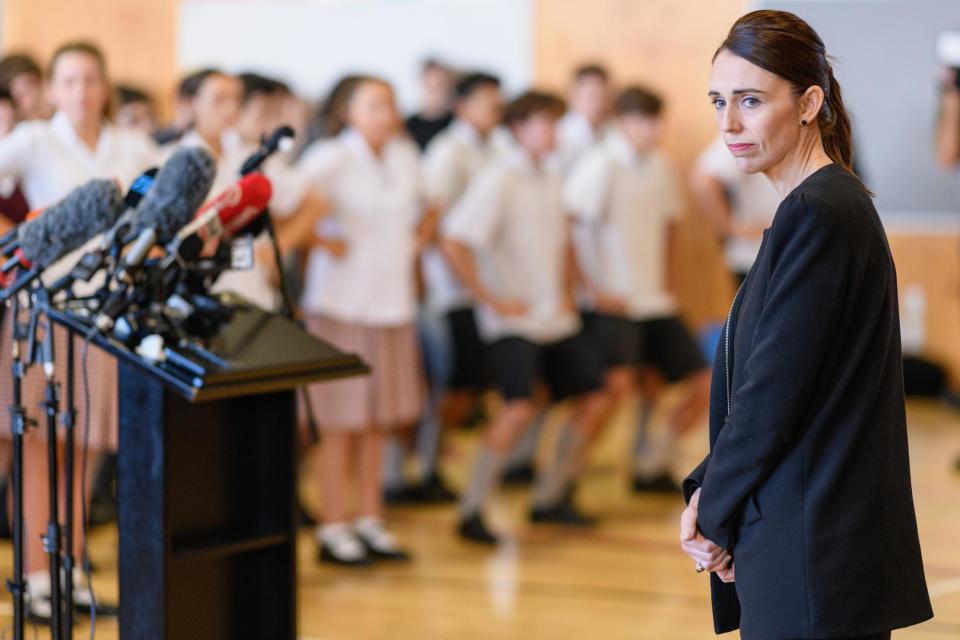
point(948, 119)
point(360, 296)
point(453, 158)
point(50, 158)
point(508, 241)
point(135, 109)
point(436, 95)
point(586, 121)
point(22, 77)
point(214, 110)
point(740, 205)
point(13, 205)
point(626, 191)
point(183, 107)
point(582, 126)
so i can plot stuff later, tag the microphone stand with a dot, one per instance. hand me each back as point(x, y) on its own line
point(69, 422)
point(51, 403)
point(18, 426)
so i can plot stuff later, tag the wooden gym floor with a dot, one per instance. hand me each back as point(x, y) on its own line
point(627, 579)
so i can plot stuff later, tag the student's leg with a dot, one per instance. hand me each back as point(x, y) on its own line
point(369, 525)
point(338, 544)
point(574, 369)
point(516, 369)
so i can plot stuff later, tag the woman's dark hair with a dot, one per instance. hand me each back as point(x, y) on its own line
point(78, 46)
point(784, 44)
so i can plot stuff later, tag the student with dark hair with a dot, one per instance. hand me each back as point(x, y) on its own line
point(626, 194)
point(135, 109)
point(584, 124)
point(436, 87)
point(183, 109)
point(453, 158)
point(507, 240)
point(22, 77)
point(803, 510)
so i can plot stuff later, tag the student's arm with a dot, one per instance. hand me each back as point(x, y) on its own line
point(573, 275)
point(464, 266)
point(671, 283)
point(948, 123)
point(711, 199)
point(298, 231)
point(429, 227)
point(16, 150)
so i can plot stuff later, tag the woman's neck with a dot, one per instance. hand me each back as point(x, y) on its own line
point(808, 158)
point(89, 132)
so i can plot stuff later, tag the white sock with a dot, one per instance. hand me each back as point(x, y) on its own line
point(342, 542)
point(38, 593)
point(371, 529)
point(552, 483)
point(657, 454)
point(486, 474)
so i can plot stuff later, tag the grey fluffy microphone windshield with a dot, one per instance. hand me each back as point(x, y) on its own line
point(178, 191)
point(88, 210)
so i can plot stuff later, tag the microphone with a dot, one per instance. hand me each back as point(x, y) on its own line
point(181, 186)
point(179, 189)
point(63, 227)
point(224, 216)
point(280, 139)
point(94, 260)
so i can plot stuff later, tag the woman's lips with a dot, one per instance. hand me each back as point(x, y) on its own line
point(740, 148)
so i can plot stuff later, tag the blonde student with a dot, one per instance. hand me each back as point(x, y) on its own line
point(508, 241)
point(625, 192)
point(359, 294)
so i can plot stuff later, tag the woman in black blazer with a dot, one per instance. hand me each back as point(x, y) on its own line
point(803, 512)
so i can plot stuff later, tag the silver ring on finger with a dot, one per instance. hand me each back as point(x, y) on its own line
point(700, 567)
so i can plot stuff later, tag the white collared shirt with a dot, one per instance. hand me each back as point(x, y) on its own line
point(625, 203)
point(452, 159)
point(753, 201)
point(376, 205)
point(575, 136)
point(512, 218)
point(49, 159)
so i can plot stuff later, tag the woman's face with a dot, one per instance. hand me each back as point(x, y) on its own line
point(78, 87)
point(217, 104)
point(372, 111)
point(757, 112)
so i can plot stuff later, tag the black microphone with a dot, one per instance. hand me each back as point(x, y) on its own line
point(179, 189)
point(282, 138)
point(84, 213)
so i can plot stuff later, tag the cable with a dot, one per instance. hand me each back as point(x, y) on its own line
point(83, 485)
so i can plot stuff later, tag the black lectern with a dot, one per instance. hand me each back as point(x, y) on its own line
point(207, 480)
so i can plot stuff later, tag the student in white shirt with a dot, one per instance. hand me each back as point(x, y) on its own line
point(740, 205)
point(584, 124)
point(50, 158)
point(508, 240)
point(361, 297)
point(625, 191)
point(452, 160)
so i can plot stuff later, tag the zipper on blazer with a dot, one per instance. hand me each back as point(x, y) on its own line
point(726, 348)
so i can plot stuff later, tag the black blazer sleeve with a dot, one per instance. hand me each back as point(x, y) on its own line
point(810, 257)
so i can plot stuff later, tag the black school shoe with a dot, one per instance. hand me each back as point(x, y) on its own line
point(564, 513)
point(434, 490)
point(473, 529)
point(520, 476)
point(663, 483)
point(326, 555)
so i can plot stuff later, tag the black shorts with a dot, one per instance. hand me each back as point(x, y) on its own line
point(665, 344)
point(469, 353)
point(570, 367)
